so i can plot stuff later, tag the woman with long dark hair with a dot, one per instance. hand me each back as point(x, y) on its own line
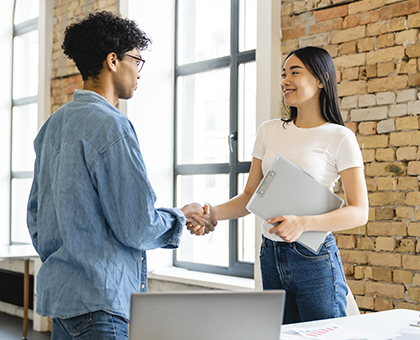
point(314, 138)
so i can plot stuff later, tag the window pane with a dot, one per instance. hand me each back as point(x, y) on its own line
point(24, 130)
point(212, 249)
point(25, 65)
point(247, 110)
point(20, 193)
point(247, 25)
point(203, 118)
point(204, 30)
point(26, 10)
point(246, 230)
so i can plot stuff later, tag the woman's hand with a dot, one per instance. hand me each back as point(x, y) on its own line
point(290, 227)
point(200, 220)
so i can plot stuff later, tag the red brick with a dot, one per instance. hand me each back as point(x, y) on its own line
point(287, 22)
point(384, 259)
point(346, 241)
point(383, 304)
point(348, 269)
point(413, 51)
point(301, 20)
point(70, 89)
point(414, 79)
point(399, 9)
point(411, 262)
point(365, 302)
point(351, 126)
point(294, 33)
point(56, 83)
point(388, 83)
point(356, 287)
point(387, 228)
point(414, 294)
point(347, 48)
point(360, 19)
point(331, 13)
point(385, 289)
point(326, 26)
point(354, 256)
point(385, 40)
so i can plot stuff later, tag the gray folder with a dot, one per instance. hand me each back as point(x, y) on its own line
point(288, 190)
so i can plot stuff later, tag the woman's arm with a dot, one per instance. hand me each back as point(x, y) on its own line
point(353, 215)
point(235, 207)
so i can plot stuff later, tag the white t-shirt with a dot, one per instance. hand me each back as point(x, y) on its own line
point(323, 151)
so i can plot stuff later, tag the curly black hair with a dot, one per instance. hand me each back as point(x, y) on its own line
point(90, 40)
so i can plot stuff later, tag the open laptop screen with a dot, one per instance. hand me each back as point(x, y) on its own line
point(207, 315)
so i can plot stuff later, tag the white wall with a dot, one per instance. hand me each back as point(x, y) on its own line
point(6, 32)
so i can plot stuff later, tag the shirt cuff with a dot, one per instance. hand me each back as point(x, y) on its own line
point(181, 220)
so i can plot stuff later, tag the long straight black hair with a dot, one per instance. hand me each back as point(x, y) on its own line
point(319, 62)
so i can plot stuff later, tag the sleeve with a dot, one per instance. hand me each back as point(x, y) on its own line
point(128, 200)
point(259, 147)
point(32, 212)
point(348, 153)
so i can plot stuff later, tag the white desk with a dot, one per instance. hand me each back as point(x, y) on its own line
point(387, 322)
point(21, 252)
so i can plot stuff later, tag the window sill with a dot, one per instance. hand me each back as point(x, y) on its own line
point(223, 282)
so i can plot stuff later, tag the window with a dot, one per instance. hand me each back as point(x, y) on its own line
point(24, 113)
point(215, 100)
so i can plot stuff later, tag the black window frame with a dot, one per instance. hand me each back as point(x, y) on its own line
point(234, 168)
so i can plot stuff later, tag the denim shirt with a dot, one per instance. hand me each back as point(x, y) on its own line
point(91, 211)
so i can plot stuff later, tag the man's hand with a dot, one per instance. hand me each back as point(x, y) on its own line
point(200, 221)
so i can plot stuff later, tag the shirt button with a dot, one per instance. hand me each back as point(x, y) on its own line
point(170, 240)
point(142, 286)
point(142, 258)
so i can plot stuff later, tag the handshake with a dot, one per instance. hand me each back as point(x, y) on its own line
point(200, 220)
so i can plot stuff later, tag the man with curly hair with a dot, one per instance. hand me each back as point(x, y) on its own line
point(91, 213)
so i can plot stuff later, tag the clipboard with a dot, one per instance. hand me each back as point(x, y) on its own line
point(288, 190)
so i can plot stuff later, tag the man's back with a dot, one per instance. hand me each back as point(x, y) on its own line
point(91, 210)
point(73, 235)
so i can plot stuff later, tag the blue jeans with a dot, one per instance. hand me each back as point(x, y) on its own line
point(91, 326)
point(315, 285)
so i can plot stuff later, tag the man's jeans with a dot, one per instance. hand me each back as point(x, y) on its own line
point(315, 285)
point(91, 326)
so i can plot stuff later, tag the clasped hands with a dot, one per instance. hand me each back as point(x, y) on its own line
point(200, 220)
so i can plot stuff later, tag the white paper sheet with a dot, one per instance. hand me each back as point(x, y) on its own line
point(336, 332)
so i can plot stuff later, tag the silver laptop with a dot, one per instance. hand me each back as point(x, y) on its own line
point(288, 190)
point(207, 315)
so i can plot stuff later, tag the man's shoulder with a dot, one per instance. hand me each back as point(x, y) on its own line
point(97, 124)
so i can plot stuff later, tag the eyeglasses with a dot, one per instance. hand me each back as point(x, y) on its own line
point(140, 62)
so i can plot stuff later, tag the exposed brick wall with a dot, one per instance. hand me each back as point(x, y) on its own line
point(376, 49)
point(65, 76)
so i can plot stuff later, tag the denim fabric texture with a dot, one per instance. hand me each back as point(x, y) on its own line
point(315, 285)
point(91, 211)
point(90, 326)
